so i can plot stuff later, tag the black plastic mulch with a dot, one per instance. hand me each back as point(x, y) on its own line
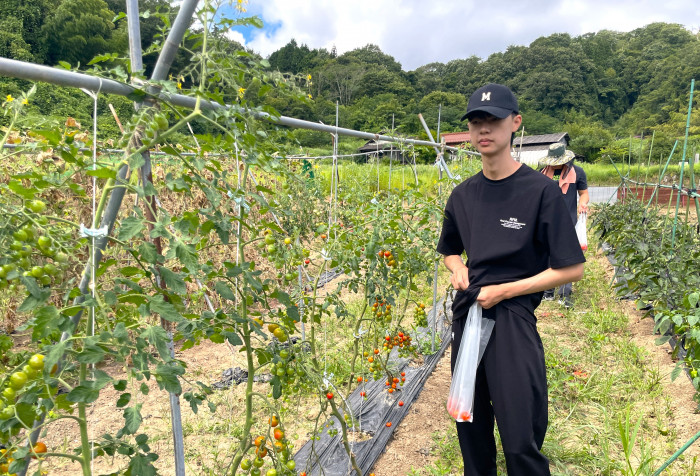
point(327, 454)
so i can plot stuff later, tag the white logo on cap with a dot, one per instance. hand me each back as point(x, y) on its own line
point(486, 96)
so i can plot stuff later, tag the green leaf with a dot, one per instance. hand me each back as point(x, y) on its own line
point(167, 311)
point(129, 228)
point(54, 355)
point(104, 173)
point(91, 354)
point(233, 338)
point(19, 188)
point(167, 376)
point(276, 387)
point(186, 255)
point(45, 320)
point(224, 291)
point(123, 400)
point(83, 394)
point(158, 337)
point(173, 280)
point(141, 465)
point(132, 420)
point(148, 252)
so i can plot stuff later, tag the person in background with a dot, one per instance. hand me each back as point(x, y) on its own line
point(507, 220)
point(559, 166)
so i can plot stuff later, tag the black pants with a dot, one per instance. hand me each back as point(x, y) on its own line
point(511, 387)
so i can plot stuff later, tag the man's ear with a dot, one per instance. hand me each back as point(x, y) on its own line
point(517, 121)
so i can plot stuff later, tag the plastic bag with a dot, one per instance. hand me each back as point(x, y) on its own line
point(460, 401)
point(581, 231)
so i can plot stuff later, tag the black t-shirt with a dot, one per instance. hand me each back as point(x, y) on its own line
point(571, 195)
point(511, 229)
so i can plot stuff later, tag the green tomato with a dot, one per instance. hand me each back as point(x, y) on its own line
point(284, 354)
point(31, 372)
point(50, 269)
point(37, 362)
point(693, 373)
point(43, 241)
point(255, 472)
point(37, 271)
point(18, 380)
point(270, 240)
point(29, 231)
point(61, 257)
point(291, 465)
point(37, 206)
point(246, 464)
point(271, 248)
point(7, 412)
point(257, 462)
point(20, 235)
point(271, 472)
point(9, 394)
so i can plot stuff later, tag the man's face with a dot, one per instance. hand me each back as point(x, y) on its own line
point(489, 134)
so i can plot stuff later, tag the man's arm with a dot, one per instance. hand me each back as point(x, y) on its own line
point(547, 279)
point(460, 272)
point(583, 201)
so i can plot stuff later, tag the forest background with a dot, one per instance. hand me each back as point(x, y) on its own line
point(602, 88)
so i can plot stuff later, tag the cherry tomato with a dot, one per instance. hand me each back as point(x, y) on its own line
point(37, 206)
point(18, 380)
point(329, 395)
point(278, 434)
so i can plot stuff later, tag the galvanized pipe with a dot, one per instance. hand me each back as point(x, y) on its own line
point(59, 77)
point(172, 43)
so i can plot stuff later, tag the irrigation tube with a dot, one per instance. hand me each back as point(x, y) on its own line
point(677, 454)
point(35, 72)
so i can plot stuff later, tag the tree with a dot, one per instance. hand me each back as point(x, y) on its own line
point(79, 30)
point(21, 34)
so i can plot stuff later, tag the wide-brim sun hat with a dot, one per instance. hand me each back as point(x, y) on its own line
point(557, 155)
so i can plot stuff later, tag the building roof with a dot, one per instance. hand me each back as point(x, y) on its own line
point(543, 139)
point(377, 145)
point(456, 137)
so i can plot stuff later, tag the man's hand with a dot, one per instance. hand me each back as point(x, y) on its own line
point(489, 296)
point(460, 278)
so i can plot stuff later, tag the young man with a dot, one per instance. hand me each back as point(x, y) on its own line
point(559, 166)
point(508, 220)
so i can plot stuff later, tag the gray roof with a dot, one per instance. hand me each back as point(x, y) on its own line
point(543, 139)
point(380, 145)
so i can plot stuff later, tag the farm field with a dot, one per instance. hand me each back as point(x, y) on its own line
point(185, 289)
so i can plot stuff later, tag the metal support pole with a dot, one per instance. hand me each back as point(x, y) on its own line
point(35, 72)
point(172, 43)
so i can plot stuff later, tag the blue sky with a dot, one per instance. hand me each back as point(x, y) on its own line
point(419, 32)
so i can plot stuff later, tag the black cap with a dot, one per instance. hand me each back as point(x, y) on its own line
point(495, 99)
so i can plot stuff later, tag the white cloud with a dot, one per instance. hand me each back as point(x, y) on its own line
point(419, 32)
